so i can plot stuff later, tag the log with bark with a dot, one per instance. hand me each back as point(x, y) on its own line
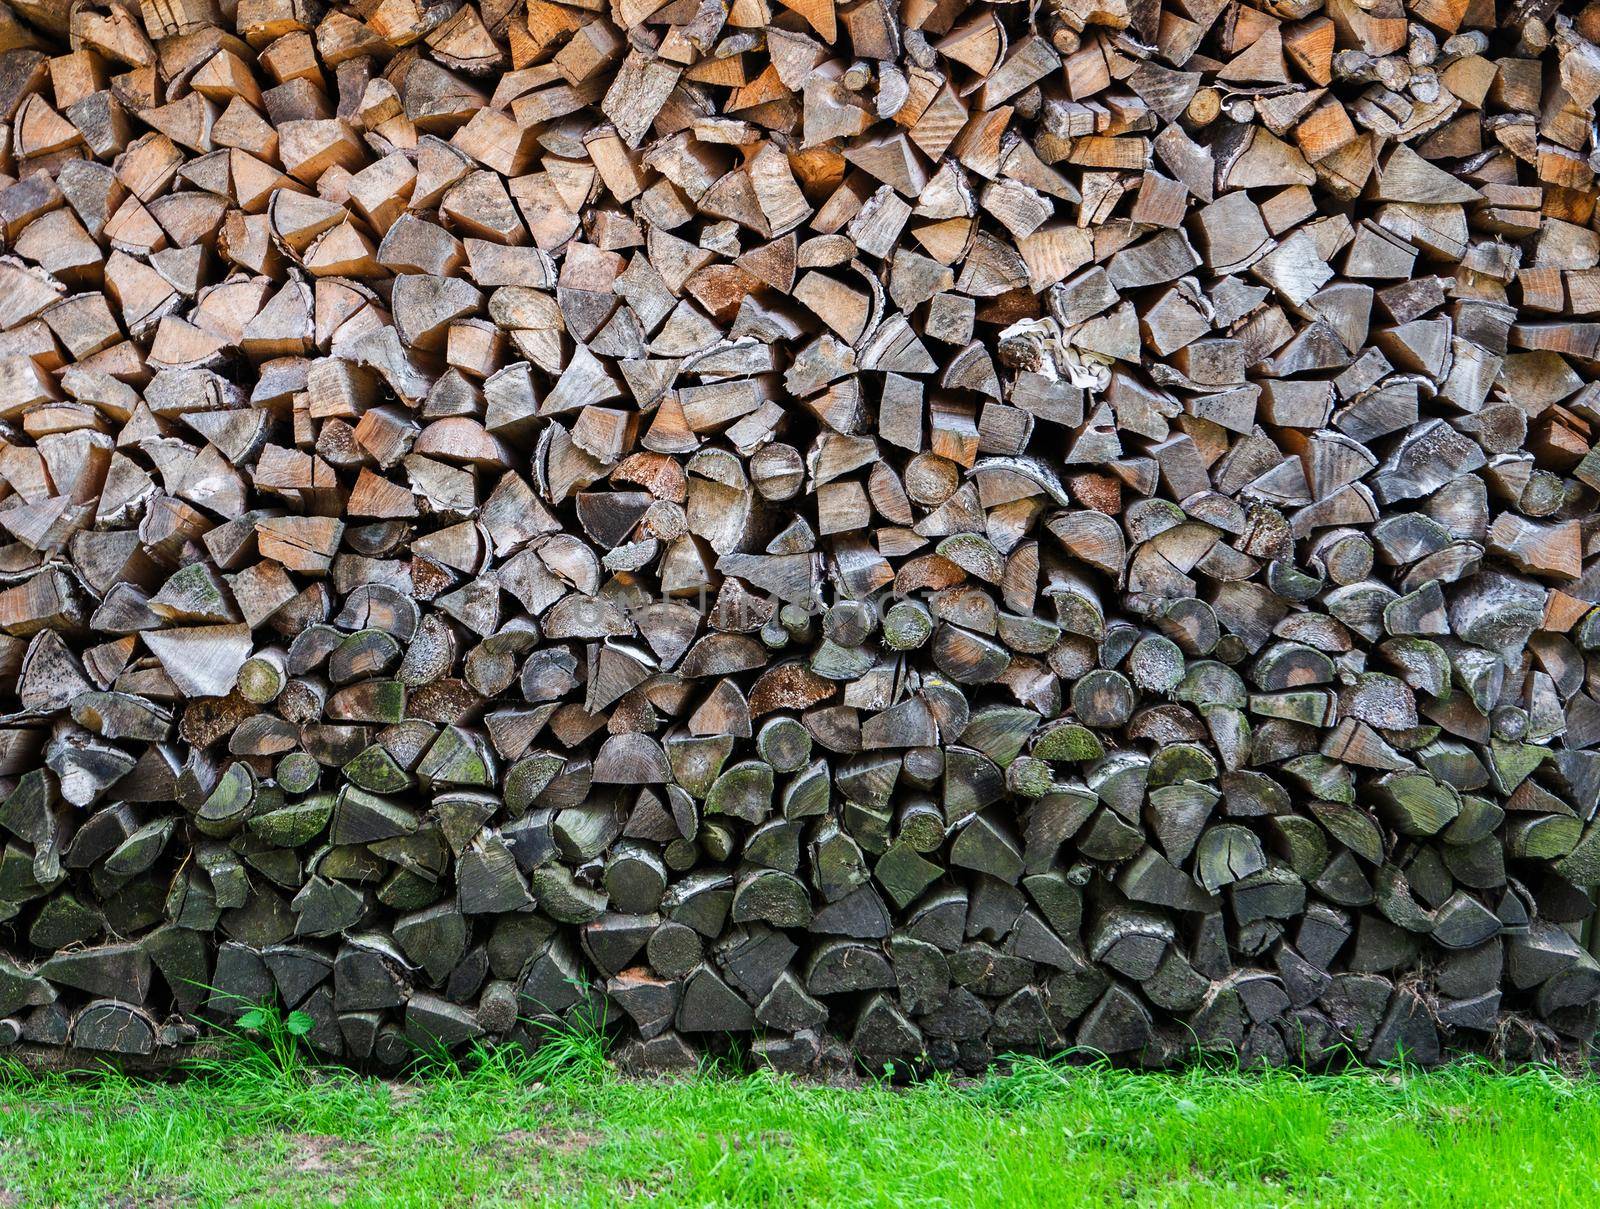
point(912, 531)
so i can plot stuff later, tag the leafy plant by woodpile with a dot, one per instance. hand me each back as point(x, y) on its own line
point(917, 530)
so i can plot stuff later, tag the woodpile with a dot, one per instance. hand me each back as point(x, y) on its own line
point(910, 530)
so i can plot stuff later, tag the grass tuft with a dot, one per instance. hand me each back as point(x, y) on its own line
point(559, 1051)
point(571, 1048)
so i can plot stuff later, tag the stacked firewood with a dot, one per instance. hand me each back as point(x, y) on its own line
point(909, 530)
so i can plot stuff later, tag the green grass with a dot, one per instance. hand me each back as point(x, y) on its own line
point(510, 1131)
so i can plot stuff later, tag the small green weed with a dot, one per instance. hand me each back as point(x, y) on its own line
point(264, 1045)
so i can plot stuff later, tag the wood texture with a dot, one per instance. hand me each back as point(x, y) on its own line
point(915, 531)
